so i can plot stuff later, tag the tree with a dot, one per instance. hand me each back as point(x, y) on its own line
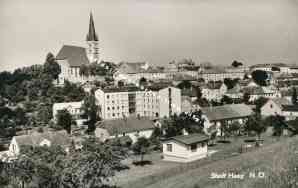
point(142, 147)
point(90, 112)
point(260, 77)
point(64, 120)
point(199, 93)
point(51, 67)
point(294, 96)
point(246, 97)
point(230, 83)
point(44, 115)
point(142, 81)
point(227, 100)
point(185, 84)
point(236, 64)
point(256, 125)
point(259, 103)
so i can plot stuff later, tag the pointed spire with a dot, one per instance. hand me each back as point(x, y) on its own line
point(91, 36)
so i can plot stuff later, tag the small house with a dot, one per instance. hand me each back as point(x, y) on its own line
point(185, 148)
point(274, 106)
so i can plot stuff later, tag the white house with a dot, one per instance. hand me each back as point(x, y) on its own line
point(217, 115)
point(74, 108)
point(185, 148)
point(60, 138)
point(274, 106)
point(214, 91)
point(127, 127)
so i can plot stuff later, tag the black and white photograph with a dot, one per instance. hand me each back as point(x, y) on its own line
point(149, 94)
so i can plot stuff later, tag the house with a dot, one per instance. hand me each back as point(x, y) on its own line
point(290, 112)
point(185, 148)
point(218, 115)
point(186, 104)
point(258, 92)
point(214, 91)
point(131, 73)
point(219, 74)
point(157, 100)
point(58, 138)
point(274, 106)
point(74, 108)
point(132, 127)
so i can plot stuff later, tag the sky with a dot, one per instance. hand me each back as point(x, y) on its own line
point(155, 31)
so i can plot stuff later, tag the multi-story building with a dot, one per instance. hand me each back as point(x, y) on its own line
point(71, 58)
point(74, 108)
point(217, 74)
point(154, 101)
point(214, 91)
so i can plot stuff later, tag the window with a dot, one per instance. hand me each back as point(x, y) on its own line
point(113, 108)
point(113, 114)
point(108, 96)
point(271, 106)
point(193, 147)
point(108, 108)
point(169, 147)
point(203, 144)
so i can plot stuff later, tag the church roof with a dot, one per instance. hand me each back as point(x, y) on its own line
point(75, 55)
point(91, 36)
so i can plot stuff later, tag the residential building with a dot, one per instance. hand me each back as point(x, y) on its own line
point(219, 74)
point(133, 72)
point(290, 112)
point(219, 116)
point(132, 127)
point(214, 91)
point(274, 106)
point(58, 138)
point(235, 92)
point(74, 108)
point(71, 58)
point(185, 148)
point(153, 101)
point(258, 92)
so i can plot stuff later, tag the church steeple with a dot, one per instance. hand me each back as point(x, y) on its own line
point(91, 36)
point(92, 42)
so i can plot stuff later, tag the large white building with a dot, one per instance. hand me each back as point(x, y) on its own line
point(214, 91)
point(154, 101)
point(219, 74)
point(71, 58)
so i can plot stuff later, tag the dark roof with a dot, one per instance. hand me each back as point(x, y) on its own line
point(158, 86)
point(232, 111)
point(91, 36)
point(60, 138)
point(127, 125)
point(188, 92)
point(75, 55)
point(120, 89)
point(290, 108)
point(281, 101)
point(190, 139)
point(214, 85)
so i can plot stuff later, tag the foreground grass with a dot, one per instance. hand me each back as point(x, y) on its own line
point(273, 160)
point(160, 170)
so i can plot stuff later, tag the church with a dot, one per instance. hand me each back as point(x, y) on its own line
point(71, 58)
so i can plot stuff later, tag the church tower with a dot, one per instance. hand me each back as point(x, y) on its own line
point(92, 42)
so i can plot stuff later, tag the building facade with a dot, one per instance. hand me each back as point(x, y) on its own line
point(132, 101)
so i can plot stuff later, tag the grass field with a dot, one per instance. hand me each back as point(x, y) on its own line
point(168, 174)
point(270, 159)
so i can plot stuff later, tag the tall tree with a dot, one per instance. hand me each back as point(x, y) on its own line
point(294, 96)
point(236, 64)
point(142, 147)
point(260, 77)
point(91, 112)
point(51, 67)
point(64, 120)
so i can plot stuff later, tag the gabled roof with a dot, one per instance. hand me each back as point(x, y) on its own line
point(75, 55)
point(281, 101)
point(290, 108)
point(127, 125)
point(214, 85)
point(60, 138)
point(232, 111)
point(190, 139)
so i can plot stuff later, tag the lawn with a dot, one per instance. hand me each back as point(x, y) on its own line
point(161, 170)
